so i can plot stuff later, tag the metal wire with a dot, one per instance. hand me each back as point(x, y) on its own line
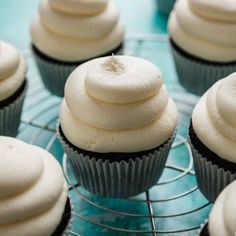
point(148, 199)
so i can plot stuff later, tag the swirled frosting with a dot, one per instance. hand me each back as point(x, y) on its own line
point(12, 70)
point(86, 29)
point(33, 191)
point(222, 219)
point(117, 104)
point(214, 118)
point(205, 29)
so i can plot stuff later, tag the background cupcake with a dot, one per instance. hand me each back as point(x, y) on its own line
point(165, 6)
point(223, 214)
point(68, 33)
point(117, 124)
point(33, 196)
point(202, 38)
point(13, 86)
point(213, 137)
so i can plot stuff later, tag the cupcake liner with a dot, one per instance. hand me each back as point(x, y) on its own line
point(165, 6)
point(211, 178)
point(70, 222)
point(10, 115)
point(119, 179)
point(55, 73)
point(196, 75)
point(203, 231)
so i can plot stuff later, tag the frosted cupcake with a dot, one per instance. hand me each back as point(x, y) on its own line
point(223, 214)
point(117, 124)
point(68, 33)
point(13, 86)
point(202, 39)
point(33, 196)
point(213, 137)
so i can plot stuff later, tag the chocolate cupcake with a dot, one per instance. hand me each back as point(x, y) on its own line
point(213, 137)
point(33, 196)
point(117, 124)
point(65, 34)
point(202, 40)
point(223, 214)
point(13, 86)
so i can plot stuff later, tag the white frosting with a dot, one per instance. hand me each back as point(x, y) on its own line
point(12, 70)
point(215, 9)
point(33, 190)
point(82, 36)
point(207, 38)
point(214, 118)
point(143, 118)
point(83, 7)
point(222, 219)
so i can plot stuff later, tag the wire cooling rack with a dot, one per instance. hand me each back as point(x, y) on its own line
point(173, 207)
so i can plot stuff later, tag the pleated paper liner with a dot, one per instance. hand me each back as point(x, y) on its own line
point(211, 178)
point(118, 179)
point(197, 75)
point(204, 229)
point(54, 73)
point(10, 111)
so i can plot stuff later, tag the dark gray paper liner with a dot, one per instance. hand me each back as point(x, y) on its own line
point(203, 231)
point(70, 222)
point(195, 75)
point(55, 73)
point(119, 179)
point(211, 178)
point(10, 115)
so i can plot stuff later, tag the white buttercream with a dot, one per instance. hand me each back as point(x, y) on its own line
point(217, 10)
point(81, 28)
point(124, 126)
point(200, 36)
point(214, 118)
point(82, 36)
point(12, 70)
point(34, 190)
point(82, 7)
point(222, 220)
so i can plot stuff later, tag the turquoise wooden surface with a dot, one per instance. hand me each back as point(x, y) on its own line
point(176, 203)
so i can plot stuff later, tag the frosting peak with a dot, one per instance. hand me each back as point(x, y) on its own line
point(216, 110)
point(140, 79)
point(223, 214)
point(105, 111)
point(114, 65)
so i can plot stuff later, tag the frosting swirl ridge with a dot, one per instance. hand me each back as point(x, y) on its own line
point(12, 70)
point(223, 214)
point(29, 195)
point(216, 111)
point(111, 100)
point(197, 28)
point(83, 33)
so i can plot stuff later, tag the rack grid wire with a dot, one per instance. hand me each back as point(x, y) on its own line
point(174, 206)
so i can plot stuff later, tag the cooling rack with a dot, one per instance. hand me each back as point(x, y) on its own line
point(174, 206)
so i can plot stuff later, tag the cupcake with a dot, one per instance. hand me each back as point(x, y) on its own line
point(213, 137)
point(66, 33)
point(13, 86)
point(33, 196)
point(223, 215)
point(117, 124)
point(202, 39)
point(165, 6)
